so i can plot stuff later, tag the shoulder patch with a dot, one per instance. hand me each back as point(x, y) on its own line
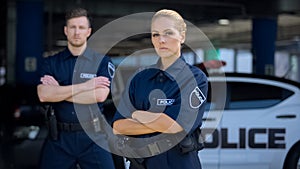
point(197, 98)
point(111, 69)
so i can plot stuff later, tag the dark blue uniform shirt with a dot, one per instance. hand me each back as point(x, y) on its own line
point(179, 92)
point(68, 69)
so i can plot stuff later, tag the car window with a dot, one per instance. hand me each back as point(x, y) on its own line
point(245, 95)
point(252, 95)
point(216, 96)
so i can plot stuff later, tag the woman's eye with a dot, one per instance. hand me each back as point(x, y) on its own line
point(169, 33)
point(155, 34)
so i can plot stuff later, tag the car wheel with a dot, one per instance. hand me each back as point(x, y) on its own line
point(293, 158)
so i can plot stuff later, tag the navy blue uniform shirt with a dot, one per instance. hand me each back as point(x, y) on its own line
point(179, 92)
point(68, 69)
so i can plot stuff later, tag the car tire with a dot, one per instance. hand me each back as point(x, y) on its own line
point(292, 160)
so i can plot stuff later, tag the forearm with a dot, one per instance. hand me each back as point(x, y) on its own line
point(130, 127)
point(159, 122)
point(55, 93)
point(90, 96)
point(93, 90)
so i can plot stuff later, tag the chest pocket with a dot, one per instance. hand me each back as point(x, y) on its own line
point(85, 69)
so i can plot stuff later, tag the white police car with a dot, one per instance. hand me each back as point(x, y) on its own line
point(251, 122)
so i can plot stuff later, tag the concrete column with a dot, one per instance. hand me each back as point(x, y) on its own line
point(264, 33)
point(29, 45)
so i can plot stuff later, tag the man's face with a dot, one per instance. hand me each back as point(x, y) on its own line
point(77, 31)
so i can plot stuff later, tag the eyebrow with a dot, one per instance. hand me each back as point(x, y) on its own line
point(163, 31)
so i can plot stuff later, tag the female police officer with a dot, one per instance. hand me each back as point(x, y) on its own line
point(166, 98)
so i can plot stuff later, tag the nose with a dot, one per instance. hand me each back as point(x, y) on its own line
point(76, 31)
point(162, 39)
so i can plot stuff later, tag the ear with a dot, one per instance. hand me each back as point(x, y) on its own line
point(89, 32)
point(182, 37)
point(65, 30)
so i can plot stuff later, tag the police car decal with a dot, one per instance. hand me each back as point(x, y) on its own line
point(247, 138)
point(196, 98)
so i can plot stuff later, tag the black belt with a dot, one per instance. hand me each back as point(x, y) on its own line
point(156, 147)
point(137, 149)
point(72, 126)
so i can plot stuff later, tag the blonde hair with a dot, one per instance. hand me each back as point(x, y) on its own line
point(179, 21)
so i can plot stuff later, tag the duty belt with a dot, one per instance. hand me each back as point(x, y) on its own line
point(130, 147)
point(69, 127)
point(156, 147)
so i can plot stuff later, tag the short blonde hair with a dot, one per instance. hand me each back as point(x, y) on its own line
point(179, 21)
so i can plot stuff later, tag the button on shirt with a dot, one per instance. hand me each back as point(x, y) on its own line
point(179, 92)
point(68, 69)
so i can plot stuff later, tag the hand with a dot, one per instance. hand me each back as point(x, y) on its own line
point(144, 116)
point(97, 82)
point(49, 80)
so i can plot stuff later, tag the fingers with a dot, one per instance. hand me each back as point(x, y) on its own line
point(102, 81)
point(96, 82)
point(49, 80)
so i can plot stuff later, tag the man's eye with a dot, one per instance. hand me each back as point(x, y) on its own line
point(82, 27)
point(155, 34)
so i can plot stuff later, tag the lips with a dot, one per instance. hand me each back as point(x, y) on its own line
point(163, 48)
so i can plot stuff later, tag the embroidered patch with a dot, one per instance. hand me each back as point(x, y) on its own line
point(196, 98)
point(87, 75)
point(165, 102)
point(111, 69)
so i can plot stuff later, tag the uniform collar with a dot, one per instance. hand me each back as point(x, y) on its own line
point(172, 71)
point(87, 52)
point(67, 54)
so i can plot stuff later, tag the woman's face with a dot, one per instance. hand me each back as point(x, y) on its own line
point(166, 39)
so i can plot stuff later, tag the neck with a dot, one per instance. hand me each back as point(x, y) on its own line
point(167, 62)
point(76, 51)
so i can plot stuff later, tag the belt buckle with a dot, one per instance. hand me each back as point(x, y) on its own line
point(153, 148)
point(73, 127)
point(66, 127)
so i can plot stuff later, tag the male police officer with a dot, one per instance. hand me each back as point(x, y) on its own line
point(72, 87)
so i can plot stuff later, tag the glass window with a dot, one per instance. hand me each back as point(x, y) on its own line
point(253, 95)
point(227, 55)
point(242, 95)
point(216, 96)
point(244, 61)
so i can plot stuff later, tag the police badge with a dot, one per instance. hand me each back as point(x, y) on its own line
point(196, 98)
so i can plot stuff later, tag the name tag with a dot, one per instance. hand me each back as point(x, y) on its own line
point(87, 75)
point(165, 102)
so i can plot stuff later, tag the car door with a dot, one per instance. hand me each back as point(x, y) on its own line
point(250, 135)
point(210, 156)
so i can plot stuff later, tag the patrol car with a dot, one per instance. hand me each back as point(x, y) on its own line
point(251, 122)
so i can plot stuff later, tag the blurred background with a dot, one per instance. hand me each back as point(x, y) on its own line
point(250, 36)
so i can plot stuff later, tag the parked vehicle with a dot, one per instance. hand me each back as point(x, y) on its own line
point(257, 127)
